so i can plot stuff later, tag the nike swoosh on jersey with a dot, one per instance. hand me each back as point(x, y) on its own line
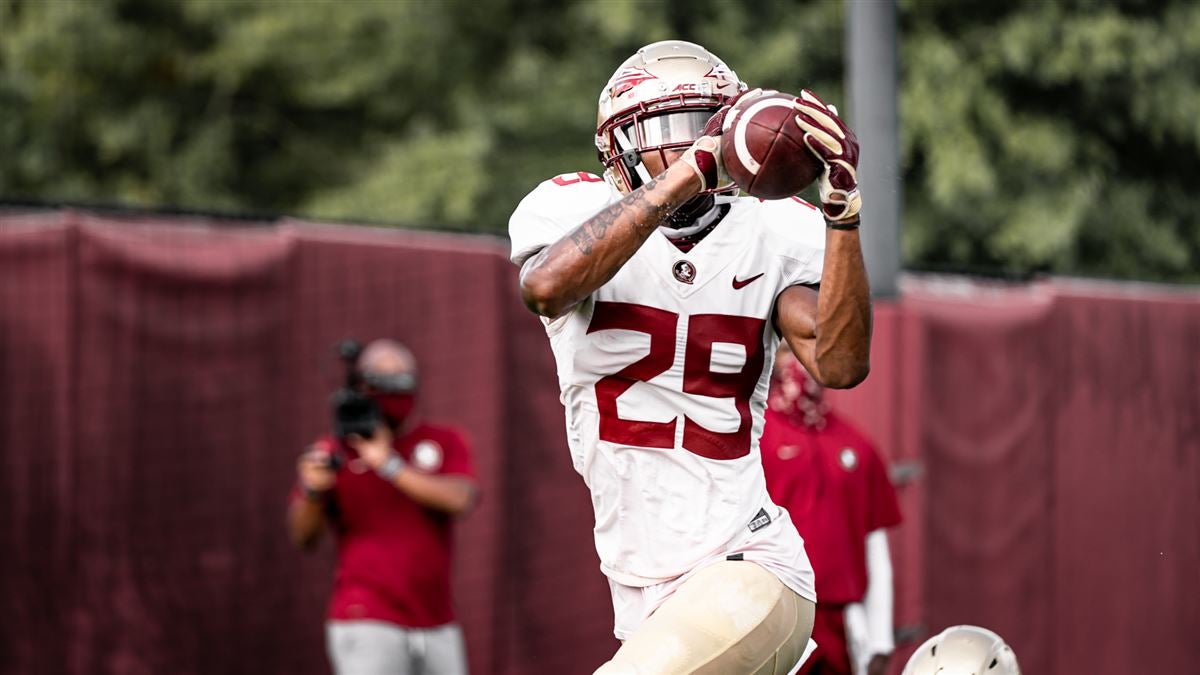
point(742, 283)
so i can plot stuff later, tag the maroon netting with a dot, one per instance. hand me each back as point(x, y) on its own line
point(1057, 427)
point(158, 377)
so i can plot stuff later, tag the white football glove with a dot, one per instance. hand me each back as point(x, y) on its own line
point(705, 154)
point(705, 159)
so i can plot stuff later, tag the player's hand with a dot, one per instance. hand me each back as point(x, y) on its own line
point(837, 147)
point(705, 154)
point(705, 159)
point(315, 471)
point(877, 665)
point(375, 450)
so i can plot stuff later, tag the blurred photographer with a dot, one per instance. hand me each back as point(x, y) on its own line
point(390, 486)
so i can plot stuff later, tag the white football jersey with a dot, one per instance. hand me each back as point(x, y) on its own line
point(664, 373)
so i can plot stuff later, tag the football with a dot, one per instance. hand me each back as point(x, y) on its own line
point(763, 147)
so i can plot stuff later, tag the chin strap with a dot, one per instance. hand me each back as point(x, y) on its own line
point(626, 146)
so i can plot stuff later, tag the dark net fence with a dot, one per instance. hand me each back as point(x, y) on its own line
point(159, 376)
point(1056, 430)
point(157, 381)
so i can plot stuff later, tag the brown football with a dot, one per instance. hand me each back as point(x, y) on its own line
point(763, 147)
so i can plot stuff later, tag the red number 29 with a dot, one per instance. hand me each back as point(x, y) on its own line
point(704, 330)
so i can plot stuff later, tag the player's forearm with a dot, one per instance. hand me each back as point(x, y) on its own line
point(306, 522)
point(842, 349)
point(453, 494)
point(569, 270)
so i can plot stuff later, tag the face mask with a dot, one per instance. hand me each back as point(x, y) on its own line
point(395, 407)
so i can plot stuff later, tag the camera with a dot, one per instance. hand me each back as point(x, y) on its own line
point(353, 411)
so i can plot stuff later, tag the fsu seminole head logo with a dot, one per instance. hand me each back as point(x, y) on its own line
point(848, 459)
point(628, 78)
point(684, 271)
point(427, 456)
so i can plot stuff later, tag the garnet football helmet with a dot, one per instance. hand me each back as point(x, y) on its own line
point(658, 100)
point(963, 650)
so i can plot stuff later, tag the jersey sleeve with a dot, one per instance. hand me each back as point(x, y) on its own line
point(553, 209)
point(797, 232)
point(457, 459)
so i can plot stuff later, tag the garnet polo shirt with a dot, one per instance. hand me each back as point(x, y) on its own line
point(394, 555)
point(836, 488)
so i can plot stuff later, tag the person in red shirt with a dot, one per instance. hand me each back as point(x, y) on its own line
point(391, 501)
point(835, 486)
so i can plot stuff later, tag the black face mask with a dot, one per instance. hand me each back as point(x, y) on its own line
point(394, 393)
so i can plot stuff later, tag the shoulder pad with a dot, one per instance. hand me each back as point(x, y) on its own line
point(554, 208)
point(570, 193)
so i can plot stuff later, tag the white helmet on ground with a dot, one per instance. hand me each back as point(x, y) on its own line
point(658, 99)
point(963, 650)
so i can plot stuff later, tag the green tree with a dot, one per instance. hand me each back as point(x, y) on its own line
point(1060, 136)
point(1036, 135)
point(425, 113)
point(215, 103)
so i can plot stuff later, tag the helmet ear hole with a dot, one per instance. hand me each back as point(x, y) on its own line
point(992, 664)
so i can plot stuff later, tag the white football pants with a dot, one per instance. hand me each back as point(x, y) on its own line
point(731, 618)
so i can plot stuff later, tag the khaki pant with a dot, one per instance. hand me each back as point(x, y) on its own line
point(731, 618)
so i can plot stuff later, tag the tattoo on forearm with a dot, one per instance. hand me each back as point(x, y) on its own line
point(652, 215)
point(603, 220)
point(646, 216)
point(583, 240)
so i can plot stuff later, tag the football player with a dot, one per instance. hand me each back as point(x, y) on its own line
point(963, 650)
point(664, 297)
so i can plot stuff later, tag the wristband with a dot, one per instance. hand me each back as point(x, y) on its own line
point(390, 467)
point(850, 225)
